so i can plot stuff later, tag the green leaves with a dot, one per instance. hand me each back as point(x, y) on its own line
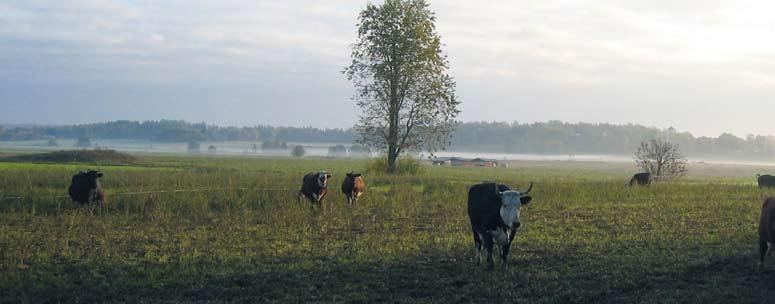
point(399, 73)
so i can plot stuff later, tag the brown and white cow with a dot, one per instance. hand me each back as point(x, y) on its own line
point(314, 187)
point(766, 229)
point(353, 187)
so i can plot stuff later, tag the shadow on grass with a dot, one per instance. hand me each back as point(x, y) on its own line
point(428, 277)
point(541, 276)
point(732, 279)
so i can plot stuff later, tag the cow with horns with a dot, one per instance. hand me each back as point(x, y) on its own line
point(85, 187)
point(314, 187)
point(494, 213)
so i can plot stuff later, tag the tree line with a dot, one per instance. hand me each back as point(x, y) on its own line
point(555, 137)
point(178, 131)
point(551, 137)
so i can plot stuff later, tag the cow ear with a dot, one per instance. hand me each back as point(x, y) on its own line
point(525, 200)
point(328, 175)
point(99, 174)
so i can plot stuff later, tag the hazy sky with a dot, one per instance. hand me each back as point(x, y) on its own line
point(702, 66)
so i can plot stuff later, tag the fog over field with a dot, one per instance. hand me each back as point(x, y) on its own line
point(700, 66)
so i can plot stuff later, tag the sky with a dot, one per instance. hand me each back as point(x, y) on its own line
point(705, 67)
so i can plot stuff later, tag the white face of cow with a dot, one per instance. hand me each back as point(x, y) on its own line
point(323, 179)
point(510, 206)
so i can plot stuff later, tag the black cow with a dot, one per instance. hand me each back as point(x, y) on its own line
point(494, 214)
point(640, 179)
point(314, 187)
point(765, 180)
point(85, 187)
point(766, 229)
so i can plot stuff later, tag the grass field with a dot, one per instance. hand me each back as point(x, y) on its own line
point(585, 237)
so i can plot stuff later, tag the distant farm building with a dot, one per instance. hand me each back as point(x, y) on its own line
point(467, 162)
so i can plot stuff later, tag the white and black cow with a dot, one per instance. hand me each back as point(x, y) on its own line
point(494, 214)
point(314, 187)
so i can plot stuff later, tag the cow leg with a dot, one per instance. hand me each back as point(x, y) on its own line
point(507, 247)
point(477, 247)
point(488, 244)
point(763, 250)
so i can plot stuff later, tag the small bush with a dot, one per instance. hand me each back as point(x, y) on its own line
point(273, 145)
point(405, 165)
point(83, 142)
point(337, 151)
point(193, 146)
point(298, 151)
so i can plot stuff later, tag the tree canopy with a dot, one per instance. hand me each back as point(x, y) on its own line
point(400, 76)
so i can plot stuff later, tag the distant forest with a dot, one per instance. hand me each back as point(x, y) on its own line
point(551, 137)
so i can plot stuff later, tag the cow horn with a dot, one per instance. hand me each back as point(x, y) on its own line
point(528, 189)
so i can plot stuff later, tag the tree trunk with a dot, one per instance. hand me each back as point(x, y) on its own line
point(391, 164)
point(392, 140)
point(392, 152)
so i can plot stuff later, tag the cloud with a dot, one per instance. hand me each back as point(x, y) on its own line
point(618, 61)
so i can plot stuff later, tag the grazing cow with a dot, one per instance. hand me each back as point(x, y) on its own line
point(765, 180)
point(766, 229)
point(641, 179)
point(85, 187)
point(314, 187)
point(494, 213)
point(353, 187)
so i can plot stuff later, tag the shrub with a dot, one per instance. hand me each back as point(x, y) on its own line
point(338, 150)
point(86, 156)
point(298, 151)
point(273, 144)
point(404, 165)
point(359, 150)
point(193, 147)
point(83, 142)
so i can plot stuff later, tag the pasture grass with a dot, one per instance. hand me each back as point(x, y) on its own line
point(244, 237)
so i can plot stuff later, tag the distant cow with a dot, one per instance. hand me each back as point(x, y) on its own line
point(314, 187)
point(85, 187)
point(766, 229)
point(494, 213)
point(640, 179)
point(765, 180)
point(353, 187)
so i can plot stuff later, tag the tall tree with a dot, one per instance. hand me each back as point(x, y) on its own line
point(660, 158)
point(400, 75)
